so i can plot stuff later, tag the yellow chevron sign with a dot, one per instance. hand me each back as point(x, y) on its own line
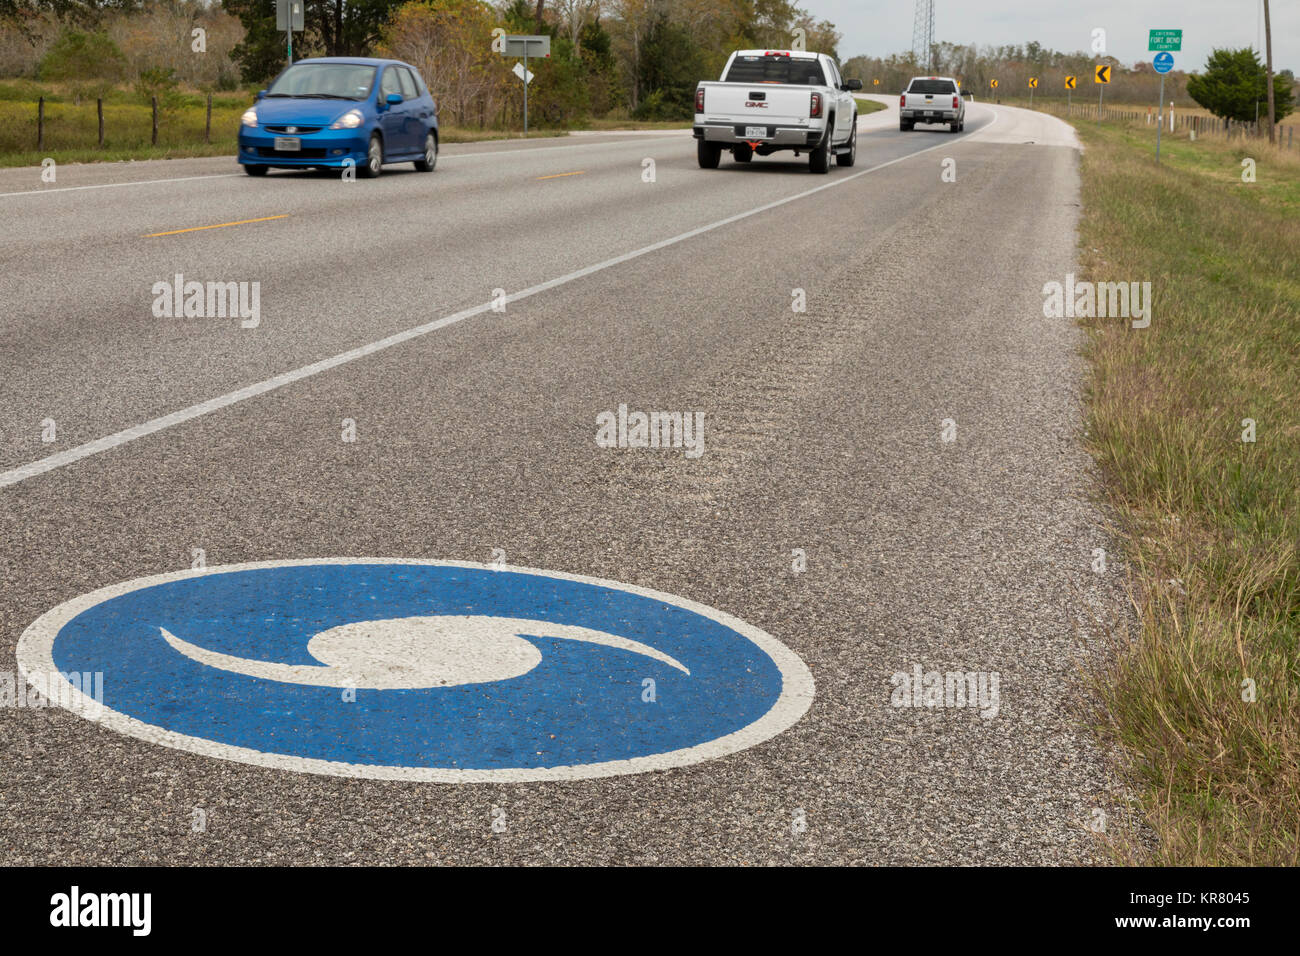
point(1103, 75)
point(1033, 82)
point(993, 84)
point(1069, 82)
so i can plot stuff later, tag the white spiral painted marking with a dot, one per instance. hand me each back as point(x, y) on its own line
point(418, 652)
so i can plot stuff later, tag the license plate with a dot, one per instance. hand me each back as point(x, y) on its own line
point(756, 132)
point(287, 144)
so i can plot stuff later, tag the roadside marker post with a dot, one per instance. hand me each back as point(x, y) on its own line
point(526, 46)
point(1069, 85)
point(1164, 43)
point(1033, 85)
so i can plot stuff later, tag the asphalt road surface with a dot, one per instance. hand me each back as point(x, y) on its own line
point(828, 507)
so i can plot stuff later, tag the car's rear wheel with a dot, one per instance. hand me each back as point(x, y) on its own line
point(905, 127)
point(374, 158)
point(743, 153)
point(709, 154)
point(819, 160)
point(256, 170)
point(851, 156)
point(954, 126)
point(430, 160)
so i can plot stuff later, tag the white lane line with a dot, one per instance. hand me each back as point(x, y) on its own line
point(524, 150)
point(23, 472)
point(139, 182)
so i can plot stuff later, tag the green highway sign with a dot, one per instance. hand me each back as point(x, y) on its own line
point(1171, 40)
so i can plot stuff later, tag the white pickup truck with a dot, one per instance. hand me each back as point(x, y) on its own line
point(770, 100)
point(932, 99)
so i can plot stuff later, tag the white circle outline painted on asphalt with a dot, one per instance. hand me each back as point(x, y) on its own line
point(35, 656)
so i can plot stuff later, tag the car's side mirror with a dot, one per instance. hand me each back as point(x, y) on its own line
point(260, 94)
point(393, 99)
point(852, 85)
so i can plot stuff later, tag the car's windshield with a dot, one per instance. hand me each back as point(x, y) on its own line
point(344, 81)
point(932, 86)
point(775, 69)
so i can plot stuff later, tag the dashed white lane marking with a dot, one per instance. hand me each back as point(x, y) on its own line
point(108, 442)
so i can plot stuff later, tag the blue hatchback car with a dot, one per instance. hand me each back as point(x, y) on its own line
point(340, 111)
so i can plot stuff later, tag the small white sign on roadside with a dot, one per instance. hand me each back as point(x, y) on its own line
point(519, 71)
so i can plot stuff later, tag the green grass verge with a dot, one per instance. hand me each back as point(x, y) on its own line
point(869, 106)
point(1205, 700)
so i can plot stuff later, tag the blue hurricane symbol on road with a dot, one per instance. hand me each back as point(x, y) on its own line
point(422, 670)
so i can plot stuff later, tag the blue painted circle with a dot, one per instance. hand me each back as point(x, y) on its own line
point(1164, 62)
point(581, 711)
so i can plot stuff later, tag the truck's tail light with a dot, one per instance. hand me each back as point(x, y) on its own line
point(956, 102)
point(815, 106)
point(699, 100)
point(902, 100)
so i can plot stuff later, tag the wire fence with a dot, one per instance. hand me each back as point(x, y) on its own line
point(1198, 124)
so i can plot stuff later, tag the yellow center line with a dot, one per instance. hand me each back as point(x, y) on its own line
point(220, 225)
point(580, 172)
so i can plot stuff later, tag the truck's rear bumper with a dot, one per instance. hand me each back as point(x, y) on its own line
point(929, 116)
point(797, 137)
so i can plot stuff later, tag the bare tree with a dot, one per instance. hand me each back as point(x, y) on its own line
point(576, 14)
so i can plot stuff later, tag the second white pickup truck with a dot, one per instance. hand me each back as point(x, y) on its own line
point(770, 100)
point(932, 99)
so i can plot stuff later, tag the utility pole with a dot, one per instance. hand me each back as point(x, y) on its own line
point(1268, 56)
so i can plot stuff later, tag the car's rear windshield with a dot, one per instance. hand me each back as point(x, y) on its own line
point(345, 81)
point(775, 69)
point(932, 86)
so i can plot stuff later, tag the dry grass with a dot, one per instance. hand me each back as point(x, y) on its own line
point(1211, 523)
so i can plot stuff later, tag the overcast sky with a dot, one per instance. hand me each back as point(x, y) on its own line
point(881, 27)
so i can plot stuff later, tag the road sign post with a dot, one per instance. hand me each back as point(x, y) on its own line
point(526, 46)
point(1033, 85)
point(290, 18)
point(1069, 85)
point(1101, 76)
point(1163, 63)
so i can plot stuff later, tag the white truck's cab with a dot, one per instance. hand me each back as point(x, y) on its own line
point(770, 100)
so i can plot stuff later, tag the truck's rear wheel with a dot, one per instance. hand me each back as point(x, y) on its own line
point(819, 160)
point(850, 156)
point(709, 154)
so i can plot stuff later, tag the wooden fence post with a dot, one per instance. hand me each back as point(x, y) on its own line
point(207, 124)
point(154, 138)
point(99, 109)
point(40, 123)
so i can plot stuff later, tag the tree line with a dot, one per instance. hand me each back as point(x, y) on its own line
point(609, 58)
point(632, 58)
